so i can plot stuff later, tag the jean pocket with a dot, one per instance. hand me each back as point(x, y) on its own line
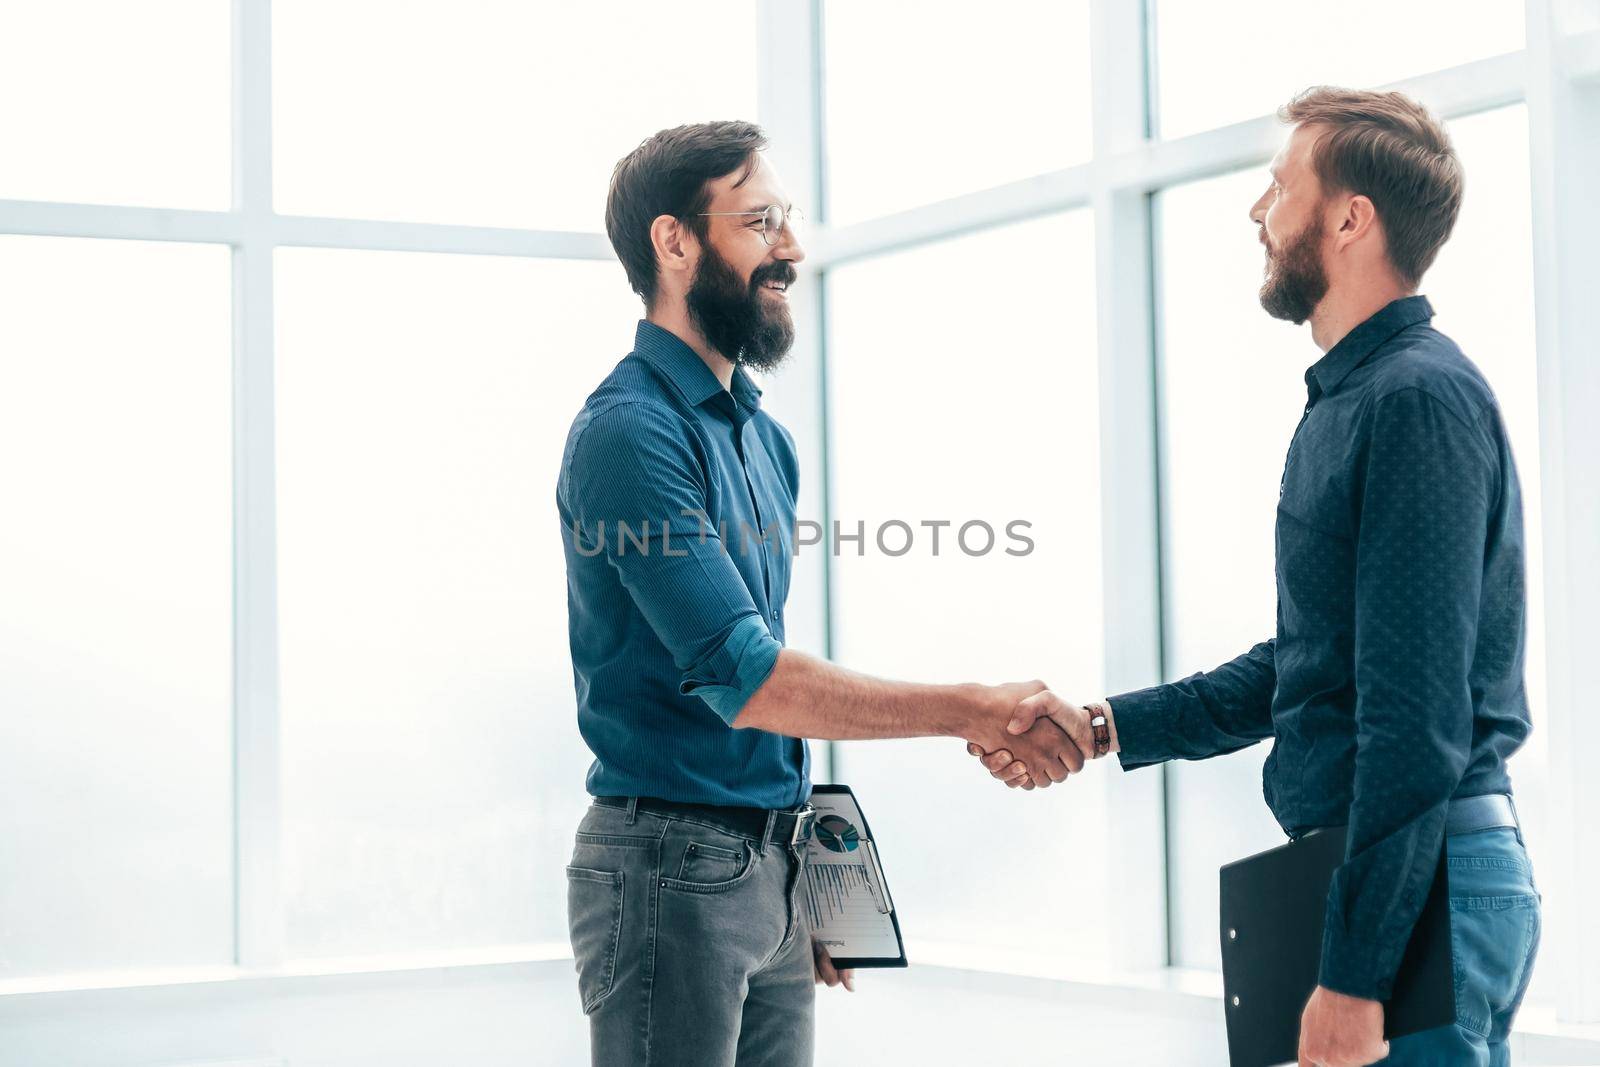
point(594, 919)
point(1493, 940)
point(709, 864)
point(712, 869)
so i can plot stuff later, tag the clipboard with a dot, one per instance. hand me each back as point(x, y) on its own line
point(1273, 908)
point(847, 896)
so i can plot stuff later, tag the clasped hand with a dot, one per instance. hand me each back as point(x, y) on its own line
point(1032, 738)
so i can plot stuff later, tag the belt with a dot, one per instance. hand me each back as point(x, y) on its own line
point(1487, 812)
point(787, 827)
point(1464, 816)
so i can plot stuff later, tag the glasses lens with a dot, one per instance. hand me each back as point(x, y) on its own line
point(772, 224)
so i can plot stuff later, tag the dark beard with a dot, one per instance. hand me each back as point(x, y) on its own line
point(730, 316)
point(1295, 281)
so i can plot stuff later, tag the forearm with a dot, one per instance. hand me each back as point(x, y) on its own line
point(1203, 715)
point(1409, 761)
point(1374, 901)
point(805, 696)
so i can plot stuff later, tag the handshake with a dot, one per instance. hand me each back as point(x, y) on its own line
point(1029, 738)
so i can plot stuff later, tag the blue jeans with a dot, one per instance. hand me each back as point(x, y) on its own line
point(1494, 935)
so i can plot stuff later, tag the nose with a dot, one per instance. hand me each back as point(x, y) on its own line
point(788, 247)
point(1258, 210)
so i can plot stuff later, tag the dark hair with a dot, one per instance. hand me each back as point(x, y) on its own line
point(1387, 147)
point(668, 175)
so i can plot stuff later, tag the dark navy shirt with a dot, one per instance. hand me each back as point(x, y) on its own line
point(677, 503)
point(1395, 681)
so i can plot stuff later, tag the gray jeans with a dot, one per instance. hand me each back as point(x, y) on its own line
point(691, 942)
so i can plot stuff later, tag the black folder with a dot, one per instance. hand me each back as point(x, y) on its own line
point(1273, 906)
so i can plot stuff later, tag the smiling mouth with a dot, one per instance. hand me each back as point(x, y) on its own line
point(776, 287)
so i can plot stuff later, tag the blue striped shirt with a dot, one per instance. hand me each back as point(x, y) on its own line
point(677, 504)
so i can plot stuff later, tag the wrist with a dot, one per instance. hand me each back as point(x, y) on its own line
point(969, 712)
point(1103, 707)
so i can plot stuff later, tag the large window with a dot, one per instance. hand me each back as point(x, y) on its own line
point(403, 772)
point(965, 392)
point(1233, 390)
point(433, 771)
point(1222, 63)
point(928, 100)
point(494, 112)
point(116, 829)
point(115, 103)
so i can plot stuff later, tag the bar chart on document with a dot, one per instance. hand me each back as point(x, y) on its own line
point(851, 911)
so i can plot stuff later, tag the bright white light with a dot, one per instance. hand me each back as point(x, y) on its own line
point(928, 100)
point(964, 380)
point(490, 112)
point(103, 101)
point(1222, 63)
point(432, 768)
point(116, 803)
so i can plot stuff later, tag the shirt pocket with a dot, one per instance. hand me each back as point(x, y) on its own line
point(1318, 503)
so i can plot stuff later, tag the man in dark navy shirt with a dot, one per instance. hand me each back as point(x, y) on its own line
point(1393, 688)
point(677, 502)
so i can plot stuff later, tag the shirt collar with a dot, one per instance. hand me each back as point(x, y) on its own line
point(687, 372)
point(1361, 342)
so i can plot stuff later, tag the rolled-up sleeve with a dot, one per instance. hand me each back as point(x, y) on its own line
point(1201, 716)
point(1430, 482)
point(636, 489)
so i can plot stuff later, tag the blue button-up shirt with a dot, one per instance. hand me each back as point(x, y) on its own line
point(677, 503)
point(1395, 681)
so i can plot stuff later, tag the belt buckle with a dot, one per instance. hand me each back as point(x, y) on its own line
point(803, 821)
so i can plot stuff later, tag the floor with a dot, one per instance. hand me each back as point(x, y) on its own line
point(526, 1014)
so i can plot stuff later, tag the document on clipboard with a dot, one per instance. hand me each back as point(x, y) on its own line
point(852, 914)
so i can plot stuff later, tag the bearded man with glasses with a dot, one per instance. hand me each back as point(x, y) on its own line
point(677, 501)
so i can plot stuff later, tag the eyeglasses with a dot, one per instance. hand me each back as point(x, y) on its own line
point(773, 219)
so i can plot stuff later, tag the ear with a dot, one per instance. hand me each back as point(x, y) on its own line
point(1358, 220)
point(677, 251)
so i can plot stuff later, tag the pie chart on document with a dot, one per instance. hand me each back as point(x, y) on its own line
point(837, 835)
